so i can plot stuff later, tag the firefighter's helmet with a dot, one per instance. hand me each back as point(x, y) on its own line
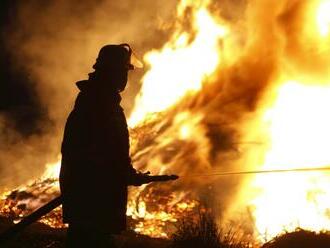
point(114, 56)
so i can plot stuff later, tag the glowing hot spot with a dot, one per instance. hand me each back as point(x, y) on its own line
point(323, 18)
point(300, 137)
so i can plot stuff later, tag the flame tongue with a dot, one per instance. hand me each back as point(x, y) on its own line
point(183, 63)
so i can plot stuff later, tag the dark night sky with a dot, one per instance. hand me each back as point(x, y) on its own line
point(17, 100)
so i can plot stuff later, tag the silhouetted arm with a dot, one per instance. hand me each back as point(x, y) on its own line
point(143, 178)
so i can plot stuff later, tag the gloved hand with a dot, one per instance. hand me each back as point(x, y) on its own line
point(139, 178)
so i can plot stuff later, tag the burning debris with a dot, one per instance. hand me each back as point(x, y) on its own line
point(155, 221)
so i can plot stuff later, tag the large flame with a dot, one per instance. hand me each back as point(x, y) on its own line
point(300, 137)
point(179, 68)
point(183, 63)
point(297, 125)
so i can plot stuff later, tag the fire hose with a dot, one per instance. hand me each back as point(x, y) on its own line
point(232, 173)
point(26, 221)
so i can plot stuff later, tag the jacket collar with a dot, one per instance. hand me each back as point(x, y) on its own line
point(93, 88)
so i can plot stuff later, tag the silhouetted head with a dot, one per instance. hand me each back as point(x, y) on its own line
point(113, 63)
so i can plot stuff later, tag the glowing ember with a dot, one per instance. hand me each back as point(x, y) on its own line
point(146, 215)
point(156, 222)
point(52, 169)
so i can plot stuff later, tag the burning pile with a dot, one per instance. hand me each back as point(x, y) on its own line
point(156, 221)
point(240, 85)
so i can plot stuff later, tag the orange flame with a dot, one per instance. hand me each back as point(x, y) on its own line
point(182, 64)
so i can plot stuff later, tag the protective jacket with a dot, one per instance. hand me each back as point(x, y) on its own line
point(96, 165)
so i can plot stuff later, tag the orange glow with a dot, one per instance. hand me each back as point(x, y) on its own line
point(180, 67)
point(323, 18)
point(300, 137)
point(52, 169)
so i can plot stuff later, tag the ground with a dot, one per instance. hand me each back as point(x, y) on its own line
point(39, 235)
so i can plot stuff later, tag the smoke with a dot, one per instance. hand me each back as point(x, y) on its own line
point(56, 44)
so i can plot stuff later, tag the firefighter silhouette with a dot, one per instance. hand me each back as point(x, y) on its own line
point(96, 167)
